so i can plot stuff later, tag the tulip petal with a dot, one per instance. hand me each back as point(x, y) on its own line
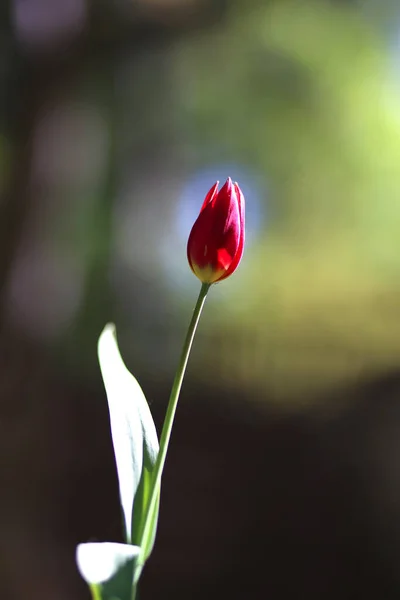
point(210, 195)
point(224, 258)
point(239, 253)
point(216, 227)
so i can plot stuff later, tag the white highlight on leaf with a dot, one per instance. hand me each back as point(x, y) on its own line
point(133, 432)
point(98, 562)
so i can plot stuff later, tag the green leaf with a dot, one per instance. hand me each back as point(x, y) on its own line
point(141, 501)
point(133, 433)
point(108, 568)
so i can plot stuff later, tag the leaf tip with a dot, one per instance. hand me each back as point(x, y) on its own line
point(99, 562)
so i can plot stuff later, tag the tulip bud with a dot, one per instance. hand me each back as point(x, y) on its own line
point(216, 242)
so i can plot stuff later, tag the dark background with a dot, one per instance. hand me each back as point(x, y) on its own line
point(283, 476)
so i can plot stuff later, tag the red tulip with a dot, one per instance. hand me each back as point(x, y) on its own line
point(216, 242)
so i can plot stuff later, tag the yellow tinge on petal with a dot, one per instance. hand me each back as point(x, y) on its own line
point(208, 274)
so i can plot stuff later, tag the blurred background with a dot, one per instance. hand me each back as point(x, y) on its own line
point(283, 478)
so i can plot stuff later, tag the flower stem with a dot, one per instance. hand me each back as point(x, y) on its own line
point(145, 537)
point(94, 588)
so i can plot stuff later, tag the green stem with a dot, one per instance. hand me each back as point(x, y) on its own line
point(169, 417)
point(95, 589)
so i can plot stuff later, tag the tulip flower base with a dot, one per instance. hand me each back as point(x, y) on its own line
point(113, 570)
